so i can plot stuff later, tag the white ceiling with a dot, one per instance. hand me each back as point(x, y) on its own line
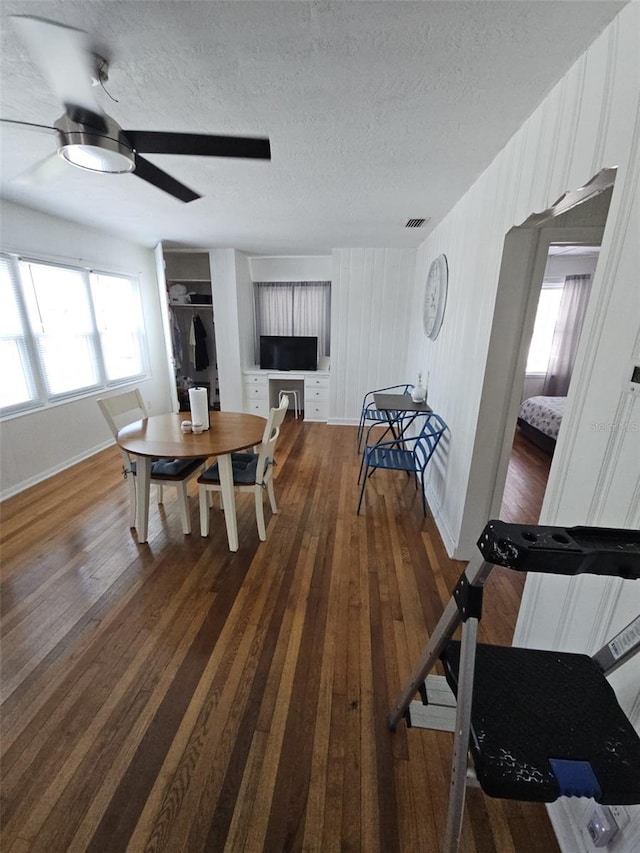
point(376, 111)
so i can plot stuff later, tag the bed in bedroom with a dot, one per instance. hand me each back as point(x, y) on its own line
point(539, 420)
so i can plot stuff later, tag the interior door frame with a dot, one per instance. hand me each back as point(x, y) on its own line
point(524, 257)
point(551, 234)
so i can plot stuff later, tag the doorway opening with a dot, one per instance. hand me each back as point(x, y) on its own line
point(562, 301)
point(579, 217)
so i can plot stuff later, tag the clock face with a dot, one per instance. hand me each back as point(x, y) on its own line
point(435, 297)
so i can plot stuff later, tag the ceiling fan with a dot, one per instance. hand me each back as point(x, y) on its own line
point(90, 139)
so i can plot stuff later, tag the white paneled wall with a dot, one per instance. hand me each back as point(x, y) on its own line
point(246, 332)
point(228, 344)
point(590, 121)
point(371, 303)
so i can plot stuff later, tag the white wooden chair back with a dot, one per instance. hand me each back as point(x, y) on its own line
point(276, 417)
point(126, 408)
point(263, 474)
point(264, 469)
point(122, 409)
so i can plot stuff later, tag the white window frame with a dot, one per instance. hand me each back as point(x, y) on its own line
point(43, 399)
point(139, 331)
point(26, 345)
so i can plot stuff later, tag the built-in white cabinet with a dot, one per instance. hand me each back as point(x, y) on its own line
point(316, 398)
point(261, 389)
point(255, 391)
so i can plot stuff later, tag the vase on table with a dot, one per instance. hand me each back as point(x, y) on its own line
point(419, 392)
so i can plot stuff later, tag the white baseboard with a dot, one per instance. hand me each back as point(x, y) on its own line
point(343, 422)
point(44, 475)
point(443, 529)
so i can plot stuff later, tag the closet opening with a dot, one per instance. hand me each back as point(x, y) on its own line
point(192, 324)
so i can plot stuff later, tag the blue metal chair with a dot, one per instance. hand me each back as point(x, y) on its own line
point(369, 411)
point(404, 454)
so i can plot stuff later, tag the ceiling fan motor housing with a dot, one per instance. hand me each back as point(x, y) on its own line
point(98, 149)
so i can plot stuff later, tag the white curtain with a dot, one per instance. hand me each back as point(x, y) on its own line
point(312, 312)
point(274, 314)
point(294, 308)
point(575, 296)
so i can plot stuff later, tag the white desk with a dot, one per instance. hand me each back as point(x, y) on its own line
point(261, 389)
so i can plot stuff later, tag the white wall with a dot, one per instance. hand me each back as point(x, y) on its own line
point(533, 385)
point(290, 267)
point(246, 330)
point(371, 303)
point(225, 312)
point(38, 444)
point(588, 122)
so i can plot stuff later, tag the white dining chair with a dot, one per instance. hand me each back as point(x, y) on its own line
point(123, 409)
point(252, 472)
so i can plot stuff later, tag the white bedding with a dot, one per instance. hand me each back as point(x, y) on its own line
point(544, 413)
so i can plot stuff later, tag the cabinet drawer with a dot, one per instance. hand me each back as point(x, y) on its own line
point(255, 379)
point(316, 411)
point(315, 395)
point(257, 407)
point(256, 392)
point(316, 382)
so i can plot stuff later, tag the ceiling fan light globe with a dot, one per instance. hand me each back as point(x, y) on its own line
point(96, 158)
point(98, 149)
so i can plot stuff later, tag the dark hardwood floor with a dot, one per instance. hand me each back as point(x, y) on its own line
point(526, 482)
point(174, 696)
point(522, 500)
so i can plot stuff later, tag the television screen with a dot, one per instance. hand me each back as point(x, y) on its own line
point(284, 352)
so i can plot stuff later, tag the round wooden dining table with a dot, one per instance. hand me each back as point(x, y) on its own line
point(162, 436)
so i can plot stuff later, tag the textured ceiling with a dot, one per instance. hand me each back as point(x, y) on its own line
point(376, 112)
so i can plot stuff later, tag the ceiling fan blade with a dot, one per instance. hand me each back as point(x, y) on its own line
point(29, 125)
point(199, 144)
point(42, 172)
point(63, 56)
point(150, 173)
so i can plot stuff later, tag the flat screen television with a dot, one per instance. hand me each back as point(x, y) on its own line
point(285, 352)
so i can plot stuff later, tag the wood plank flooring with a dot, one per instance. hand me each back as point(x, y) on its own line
point(176, 697)
point(526, 482)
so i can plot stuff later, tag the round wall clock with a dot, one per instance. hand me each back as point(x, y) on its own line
point(435, 296)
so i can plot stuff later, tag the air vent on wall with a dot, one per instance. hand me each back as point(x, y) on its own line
point(415, 223)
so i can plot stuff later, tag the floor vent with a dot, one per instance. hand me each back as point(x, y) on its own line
point(415, 223)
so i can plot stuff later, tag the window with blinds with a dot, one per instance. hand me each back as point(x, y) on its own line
point(17, 383)
point(66, 331)
point(116, 302)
